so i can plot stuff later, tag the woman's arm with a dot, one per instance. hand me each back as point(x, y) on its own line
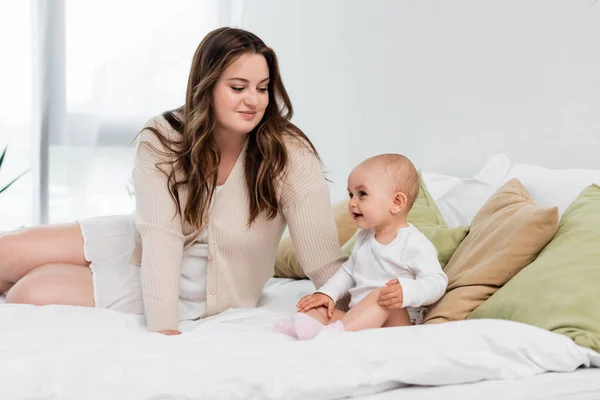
point(306, 206)
point(160, 229)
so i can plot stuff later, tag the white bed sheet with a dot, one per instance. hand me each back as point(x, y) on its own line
point(583, 384)
point(75, 353)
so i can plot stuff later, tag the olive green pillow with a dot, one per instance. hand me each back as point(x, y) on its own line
point(559, 291)
point(426, 217)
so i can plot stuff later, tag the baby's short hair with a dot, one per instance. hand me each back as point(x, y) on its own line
point(403, 174)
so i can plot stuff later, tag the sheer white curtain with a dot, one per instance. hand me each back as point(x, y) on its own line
point(125, 62)
point(15, 112)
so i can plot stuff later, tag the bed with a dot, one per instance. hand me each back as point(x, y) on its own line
point(582, 384)
point(78, 353)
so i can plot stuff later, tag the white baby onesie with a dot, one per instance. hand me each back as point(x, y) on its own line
point(410, 257)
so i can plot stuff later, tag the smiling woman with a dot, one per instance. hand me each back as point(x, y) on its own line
point(246, 97)
point(216, 182)
point(240, 103)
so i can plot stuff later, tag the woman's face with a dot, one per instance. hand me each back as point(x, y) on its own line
point(241, 95)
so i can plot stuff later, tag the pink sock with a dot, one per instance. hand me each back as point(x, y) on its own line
point(337, 325)
point(285, 326)
point(306, 327)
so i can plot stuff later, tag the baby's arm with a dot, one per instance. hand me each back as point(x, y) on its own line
point(430, 282)
point(340, 283)
point(334, 289)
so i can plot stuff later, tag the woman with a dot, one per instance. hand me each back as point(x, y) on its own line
point(216, 181)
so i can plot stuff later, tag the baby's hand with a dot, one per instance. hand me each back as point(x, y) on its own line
point(391, 296)
point(315, 300)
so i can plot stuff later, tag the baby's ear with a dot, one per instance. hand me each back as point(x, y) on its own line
point(398, 203)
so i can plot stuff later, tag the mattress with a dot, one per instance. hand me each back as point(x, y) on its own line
point(76, 352)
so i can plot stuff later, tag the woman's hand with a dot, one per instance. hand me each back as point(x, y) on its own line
point(391, 296)
point(315, 300)
point(170, 332)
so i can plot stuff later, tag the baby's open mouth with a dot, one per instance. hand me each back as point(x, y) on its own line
point(356, 215)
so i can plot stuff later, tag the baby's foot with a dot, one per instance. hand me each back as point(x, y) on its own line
point(306, 327)
point(336, 326)
point(285, 326)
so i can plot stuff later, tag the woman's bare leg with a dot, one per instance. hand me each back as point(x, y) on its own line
point(59, 249)
point(65, 284)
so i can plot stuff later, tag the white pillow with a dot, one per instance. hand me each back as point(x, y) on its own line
point(459, 199)
point(438, 184)
point(553, 187)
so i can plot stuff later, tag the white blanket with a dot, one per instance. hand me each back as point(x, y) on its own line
point(79, 353)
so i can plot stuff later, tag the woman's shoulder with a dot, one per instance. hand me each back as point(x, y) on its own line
point(159, 135)
point(302, 157)
point(157, 140)
point(304, 171)
point(161, 124)
point(297, 145)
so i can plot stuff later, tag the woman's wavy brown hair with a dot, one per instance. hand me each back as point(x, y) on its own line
point(197, 155)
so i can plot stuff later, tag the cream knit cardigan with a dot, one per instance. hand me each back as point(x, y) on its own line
point(241, 257)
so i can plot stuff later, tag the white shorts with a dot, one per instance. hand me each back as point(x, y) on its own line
point(107, 244)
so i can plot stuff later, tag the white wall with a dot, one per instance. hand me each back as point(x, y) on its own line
point(447, 83)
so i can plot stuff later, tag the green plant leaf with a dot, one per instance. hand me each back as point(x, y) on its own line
point(2, 156)
point(13, 181)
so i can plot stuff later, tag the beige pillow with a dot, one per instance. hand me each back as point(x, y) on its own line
point(286, 262)
point(506, 235)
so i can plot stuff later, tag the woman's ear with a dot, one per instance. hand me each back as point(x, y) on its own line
point(398, 203)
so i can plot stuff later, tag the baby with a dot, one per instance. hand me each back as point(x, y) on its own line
point(393, 271)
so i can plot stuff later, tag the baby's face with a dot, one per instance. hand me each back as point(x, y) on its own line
point(371, 196)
